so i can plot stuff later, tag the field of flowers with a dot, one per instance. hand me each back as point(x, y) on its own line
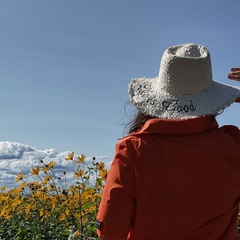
point(45, 209)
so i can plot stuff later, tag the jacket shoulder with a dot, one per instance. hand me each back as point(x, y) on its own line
point(234, 132)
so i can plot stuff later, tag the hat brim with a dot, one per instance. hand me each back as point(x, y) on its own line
point(148, 99)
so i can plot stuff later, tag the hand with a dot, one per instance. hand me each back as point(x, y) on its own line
point(234, 74)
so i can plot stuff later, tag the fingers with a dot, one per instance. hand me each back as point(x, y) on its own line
point(235, 69)
point(237, 78)
point(234, 74)
point(237, 100)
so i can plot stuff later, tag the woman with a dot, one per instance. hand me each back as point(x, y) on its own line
point(177, 174)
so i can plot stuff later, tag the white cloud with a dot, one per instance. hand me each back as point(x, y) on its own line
point(17, 157)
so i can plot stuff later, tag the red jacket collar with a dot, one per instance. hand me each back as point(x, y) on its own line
point(178, 127)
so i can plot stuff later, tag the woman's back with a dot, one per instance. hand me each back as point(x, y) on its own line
point(187, 181)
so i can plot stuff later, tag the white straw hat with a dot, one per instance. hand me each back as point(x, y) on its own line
point(184, 88)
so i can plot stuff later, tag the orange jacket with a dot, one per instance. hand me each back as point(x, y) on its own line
point(174, 180)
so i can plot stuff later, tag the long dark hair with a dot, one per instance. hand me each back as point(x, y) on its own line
point(136, 123)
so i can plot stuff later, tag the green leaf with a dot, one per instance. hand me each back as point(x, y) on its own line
point(99, 181)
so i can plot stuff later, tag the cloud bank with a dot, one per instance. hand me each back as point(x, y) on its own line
point(17, 157)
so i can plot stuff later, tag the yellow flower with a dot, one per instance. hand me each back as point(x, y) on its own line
point(34, 185)
point(100, 165)
point(35, 171)
point(51, 187)
point(4, 198)
point(19, 177)
point(77, 233)
point(41, 212)
point(81, 159)
point(6, 212)
point(51, 164)
point(79, 173)
point(62, 217)
point(70, 156)
point(103, 174)
point(3, 188)
point(71, 188)
point(67, 212)
point(16, 202)
point(28, 208)
point(83, 186)
point(21, 187)
point(46, 168)
point(46, 179)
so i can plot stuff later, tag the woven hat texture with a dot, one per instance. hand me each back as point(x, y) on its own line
point(184, 88)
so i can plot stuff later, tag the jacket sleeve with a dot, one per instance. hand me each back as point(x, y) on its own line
point(117, 209)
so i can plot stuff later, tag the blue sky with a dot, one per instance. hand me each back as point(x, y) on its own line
point(65, 65)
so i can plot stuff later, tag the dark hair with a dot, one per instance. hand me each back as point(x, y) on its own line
point(137, 122)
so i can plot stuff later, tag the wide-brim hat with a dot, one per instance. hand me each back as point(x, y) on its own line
point(184, 88)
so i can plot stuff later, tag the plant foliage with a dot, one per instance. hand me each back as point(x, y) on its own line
point(44, 209)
